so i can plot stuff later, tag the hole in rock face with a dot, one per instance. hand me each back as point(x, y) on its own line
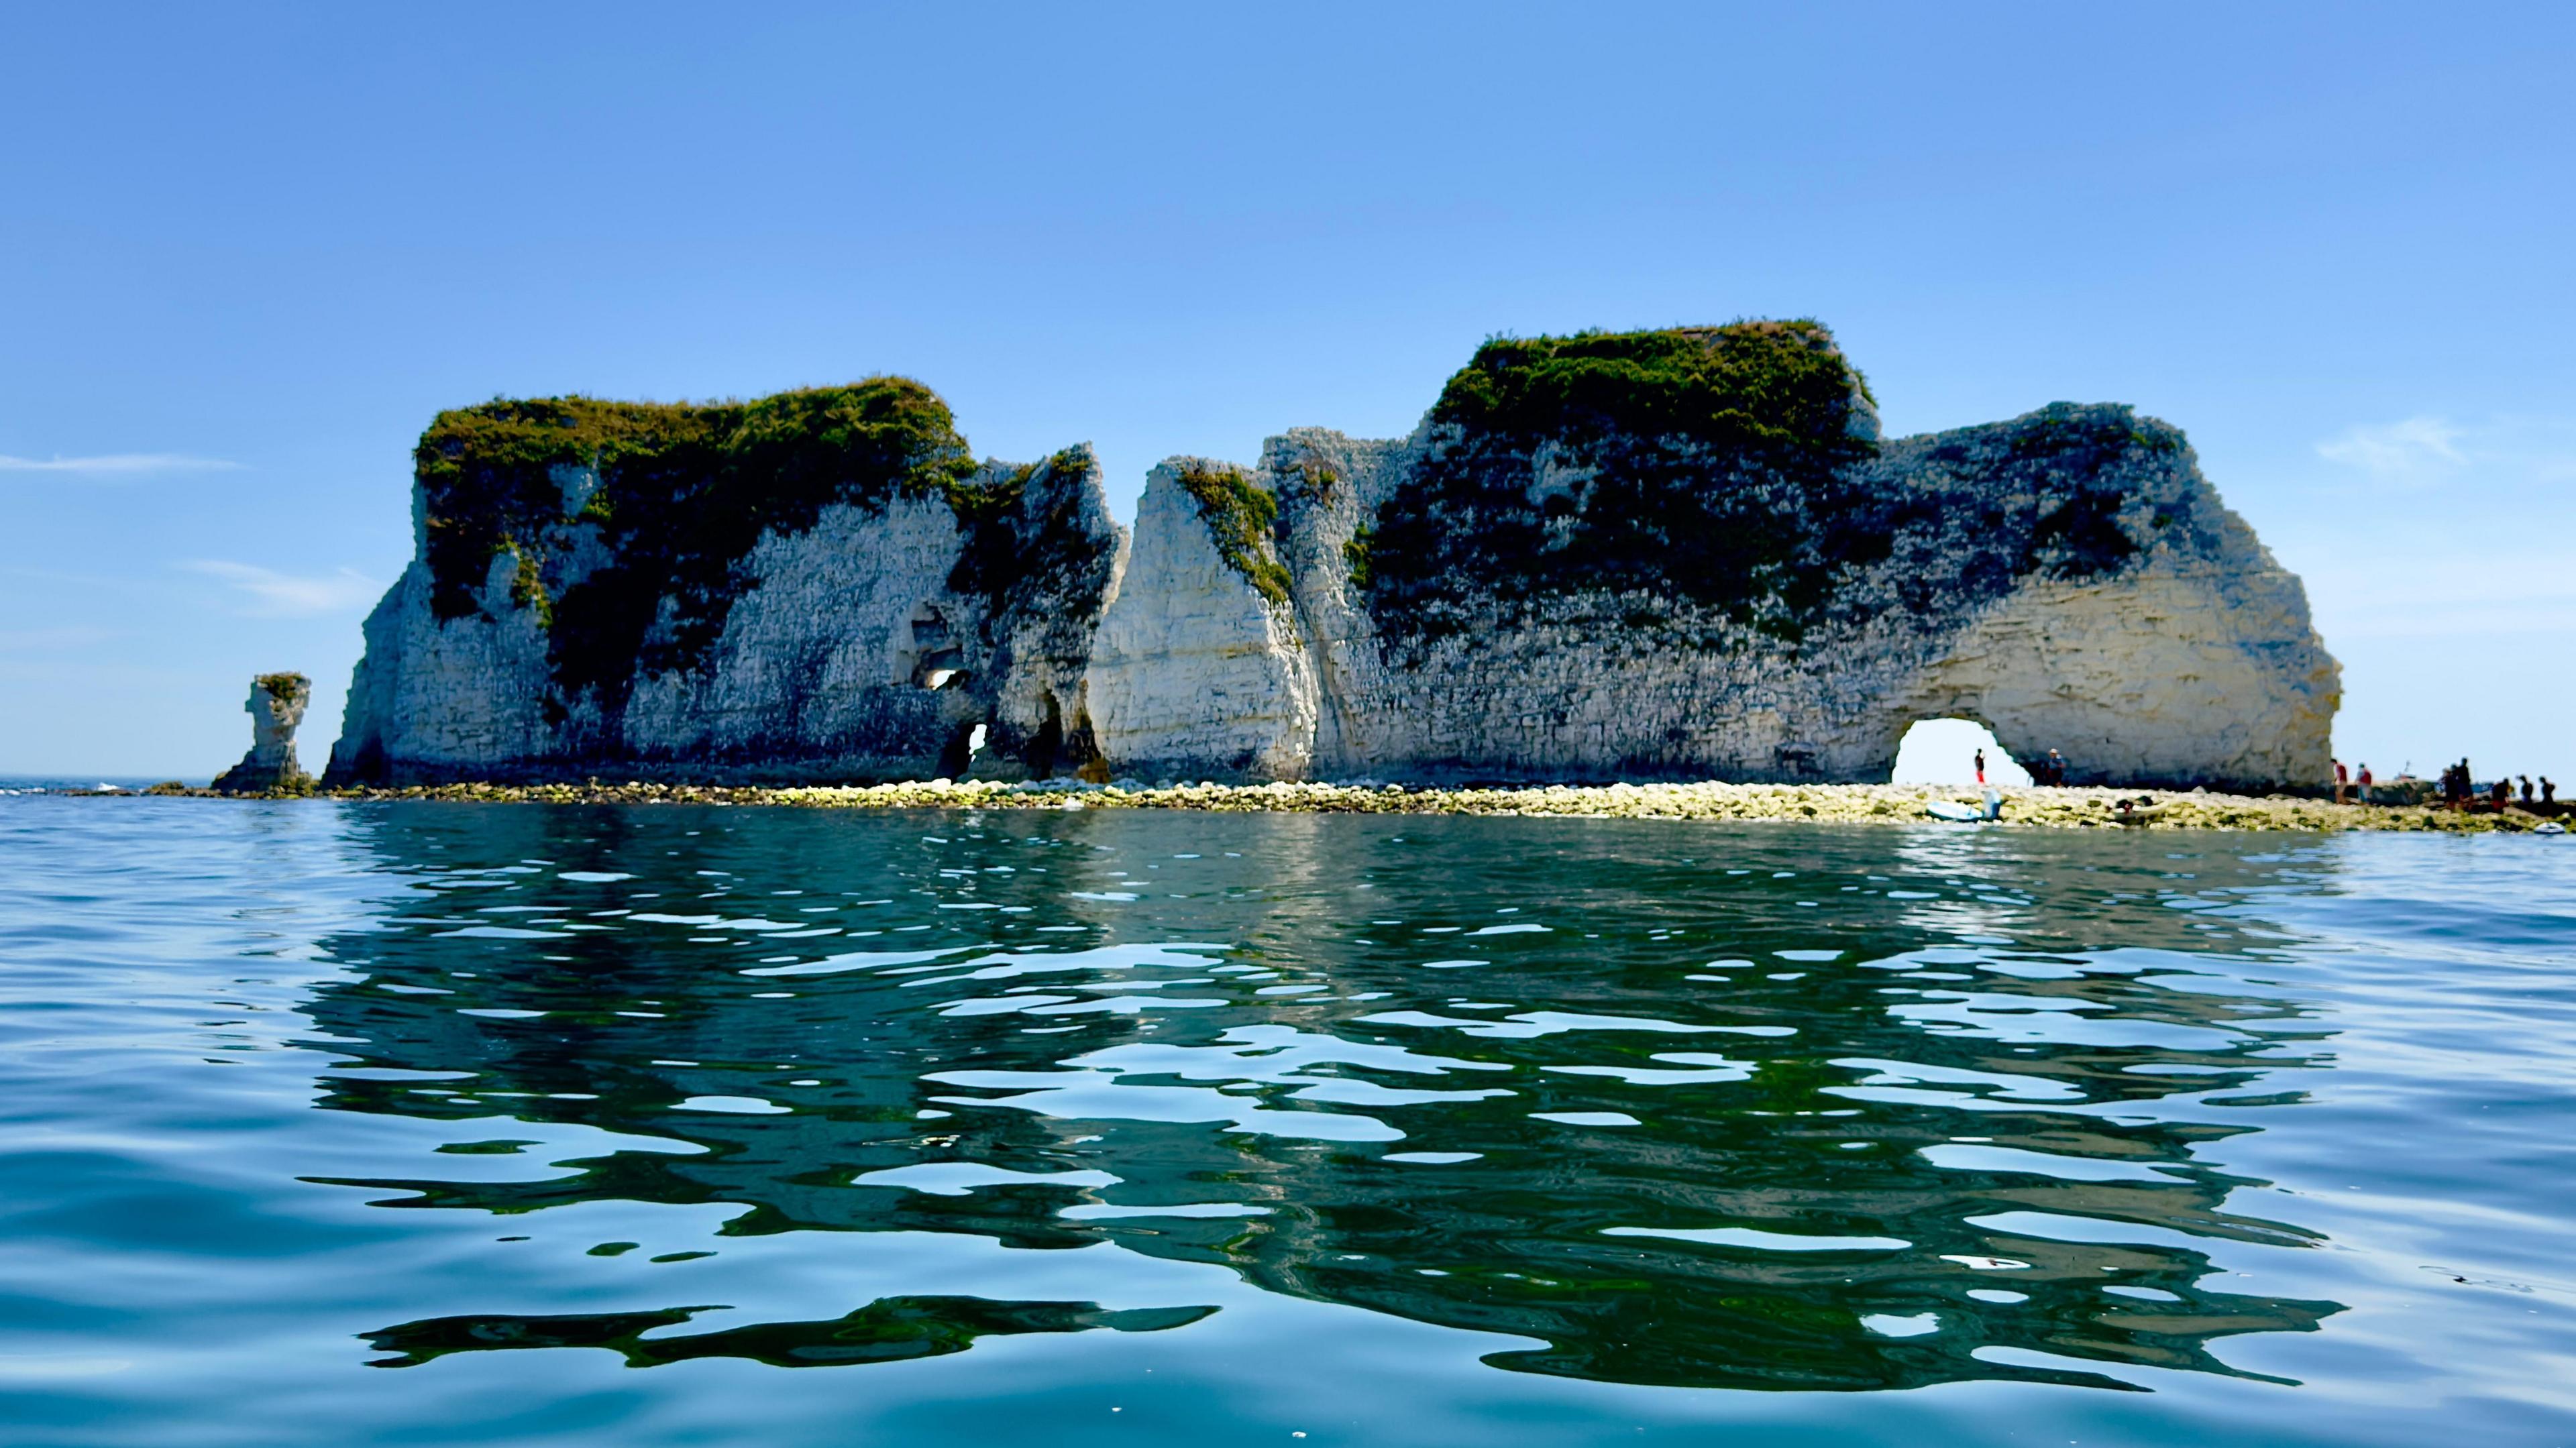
point(928, 655)
point(1944, 751)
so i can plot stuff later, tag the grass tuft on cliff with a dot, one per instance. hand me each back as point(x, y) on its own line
point(1240, 515)
point(293, 688)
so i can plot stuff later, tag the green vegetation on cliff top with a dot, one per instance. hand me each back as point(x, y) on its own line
point(293, 688)
point(682, 492)
point(1718, 471)
point(1773, 386)
point(1680, 464)
point(1011, 546)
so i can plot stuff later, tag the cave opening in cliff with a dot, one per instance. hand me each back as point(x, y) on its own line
point(959, 755)
point(1944, 751)
point(1048, 743)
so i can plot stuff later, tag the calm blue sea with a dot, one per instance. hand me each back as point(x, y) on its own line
point(333, 1123)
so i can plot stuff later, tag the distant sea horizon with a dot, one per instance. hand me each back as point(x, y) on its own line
point(16, 782)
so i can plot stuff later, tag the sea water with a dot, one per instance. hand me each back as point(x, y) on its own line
point(328, 1123)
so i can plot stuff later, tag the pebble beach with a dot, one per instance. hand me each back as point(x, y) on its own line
point(2032, 806)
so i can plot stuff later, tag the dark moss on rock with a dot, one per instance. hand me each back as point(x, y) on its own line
point(1726, 484)
point(1025, 534)
point(1699, 464)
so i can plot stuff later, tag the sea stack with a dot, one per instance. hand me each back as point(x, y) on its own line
point(1676, 554)
point(1688, 554)
point(820, 585)
point(276, 707)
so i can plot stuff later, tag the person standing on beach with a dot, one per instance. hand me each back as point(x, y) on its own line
point(2526, 789)
point(2056, 767)
point(1981, 766)
point(2548, 791)
point(2343, 781)
point(2364, 780)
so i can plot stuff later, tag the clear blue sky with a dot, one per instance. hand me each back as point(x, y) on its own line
point(245, 253)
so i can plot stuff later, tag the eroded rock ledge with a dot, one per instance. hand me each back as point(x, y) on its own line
point(1681, 554)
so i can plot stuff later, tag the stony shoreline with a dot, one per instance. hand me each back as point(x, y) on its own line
point(2059, 808)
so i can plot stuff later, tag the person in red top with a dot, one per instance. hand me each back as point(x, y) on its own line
point(2363, 778)
point(2343, 781)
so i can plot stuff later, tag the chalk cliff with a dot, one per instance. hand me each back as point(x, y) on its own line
point(1688, 553)
point(818, 585)
point(1672, 554)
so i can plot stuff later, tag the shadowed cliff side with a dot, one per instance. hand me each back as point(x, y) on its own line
point(1686, 554)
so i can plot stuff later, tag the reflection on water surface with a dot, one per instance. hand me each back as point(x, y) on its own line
point(1678, 1107)
point(377, 1123)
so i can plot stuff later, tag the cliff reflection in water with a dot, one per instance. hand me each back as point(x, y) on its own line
point(1750, 1107)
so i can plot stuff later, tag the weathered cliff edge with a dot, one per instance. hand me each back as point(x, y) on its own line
point(818, 585)
point(1687, 554)
point(1672, 554)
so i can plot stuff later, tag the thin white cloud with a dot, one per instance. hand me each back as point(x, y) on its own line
point(289, 595)
point(34, 640)
point(126, 464)
point(2411, 448)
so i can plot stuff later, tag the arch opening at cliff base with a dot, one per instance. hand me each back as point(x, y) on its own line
point(1944, 751)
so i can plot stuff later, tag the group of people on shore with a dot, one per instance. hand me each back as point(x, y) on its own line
point(2459, 788)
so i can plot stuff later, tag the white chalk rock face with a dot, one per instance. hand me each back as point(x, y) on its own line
point(1195, 673)
point(2172, 674)
point(1527, 590)
point(818, 586)
point(1682, 554)
point(818, 662)
point(448, 699)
